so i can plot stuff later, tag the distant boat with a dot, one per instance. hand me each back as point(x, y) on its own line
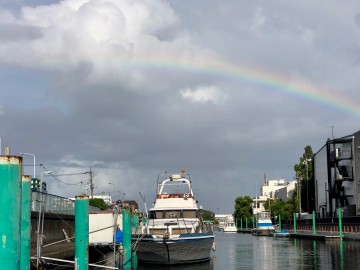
point(229, 226)
point(175, 232)
point(264, 225)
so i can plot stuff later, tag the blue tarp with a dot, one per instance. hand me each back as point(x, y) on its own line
point(119, 237)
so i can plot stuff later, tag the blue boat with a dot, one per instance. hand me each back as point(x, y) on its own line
point(264, 225)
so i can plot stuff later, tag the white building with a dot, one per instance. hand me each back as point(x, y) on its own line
point(273, 189)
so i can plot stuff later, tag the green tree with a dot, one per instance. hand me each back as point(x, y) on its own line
point(97, 202)
point(243, 207)
point(278, 206)
point(305, 176)
point(208, 215)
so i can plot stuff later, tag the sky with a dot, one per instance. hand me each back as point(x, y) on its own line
point(228, 90)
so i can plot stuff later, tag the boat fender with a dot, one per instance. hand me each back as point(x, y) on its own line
point(213, 246)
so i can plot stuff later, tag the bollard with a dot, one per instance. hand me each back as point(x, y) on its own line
point(25, 223)
point(10, 215)
point(294, 222)
point(81, 232)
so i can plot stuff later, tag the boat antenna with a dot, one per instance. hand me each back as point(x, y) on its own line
point(143, 199)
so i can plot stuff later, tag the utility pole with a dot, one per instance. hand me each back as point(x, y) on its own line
point(91, 185)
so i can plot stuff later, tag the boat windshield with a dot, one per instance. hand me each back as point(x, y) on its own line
point(166, 214)
point(175, 187)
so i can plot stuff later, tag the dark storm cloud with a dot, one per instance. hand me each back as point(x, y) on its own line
point(118, 96)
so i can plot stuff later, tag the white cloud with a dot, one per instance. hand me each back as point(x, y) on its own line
point(204, 95)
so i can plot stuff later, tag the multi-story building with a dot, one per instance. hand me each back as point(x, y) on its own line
point(337, 176)
point(273, 189)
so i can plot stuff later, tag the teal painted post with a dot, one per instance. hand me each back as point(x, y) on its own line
point(127, 238)
point(313, 220)
point(10, 215)
point(279, 222)
point(81, 232)
point(25, 223)
point(253, 221)
point(340, 223)
point(135, 225)
point(294, 222)
point(236, 223)
point(246, 223)
point(241, 226)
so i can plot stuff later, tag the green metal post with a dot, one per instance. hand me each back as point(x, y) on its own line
point(241, 226)
point(340, 223)
point(127, 238)
point(10, 215)
point(135, 225)
point(246, 223)
point(81, 232)
point(294, 222)
point(313, 220)
point(253, 221)
point(25, 223)
point(236, 223)
point(279, 222)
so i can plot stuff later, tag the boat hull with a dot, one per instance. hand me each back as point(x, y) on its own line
point(178, 251)
point(262, 232)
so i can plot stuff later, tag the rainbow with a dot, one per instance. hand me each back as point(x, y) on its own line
point(262, 78)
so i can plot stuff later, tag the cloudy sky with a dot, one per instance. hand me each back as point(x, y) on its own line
point(229, 90)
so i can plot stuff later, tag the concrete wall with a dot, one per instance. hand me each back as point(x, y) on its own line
point(53, 227)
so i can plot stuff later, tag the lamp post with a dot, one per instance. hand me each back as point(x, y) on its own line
point(34, 159)
point(306, 162)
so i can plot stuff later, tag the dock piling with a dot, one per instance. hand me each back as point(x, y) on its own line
point(25, 244)
point(10, 217)
point(81, 232)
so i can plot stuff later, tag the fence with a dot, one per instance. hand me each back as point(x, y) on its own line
point(54, 204)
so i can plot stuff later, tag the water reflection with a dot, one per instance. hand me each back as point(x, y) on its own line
point(244, 251)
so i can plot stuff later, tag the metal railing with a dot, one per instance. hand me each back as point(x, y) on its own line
point(54, 204)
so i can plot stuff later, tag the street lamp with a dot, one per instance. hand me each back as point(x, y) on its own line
point(34, 160)
point(306, 162)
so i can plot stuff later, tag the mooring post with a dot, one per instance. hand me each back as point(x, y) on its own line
point(25, 223)
point(246, 223)
point(294, 222)
point(10, 215)
point(241, 226)
point(127, 238)
point(135, 226)
point(313, 221)
point(340, 223)
point(81, 232)
point(253, 221)
point(279, 222)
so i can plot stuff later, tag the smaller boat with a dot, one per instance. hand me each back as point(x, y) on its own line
point(229, 226)
point(281, 233)
point(264, 225)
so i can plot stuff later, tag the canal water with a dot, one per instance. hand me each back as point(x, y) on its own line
point(244, 251)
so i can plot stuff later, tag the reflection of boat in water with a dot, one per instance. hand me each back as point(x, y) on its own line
point(229, 226)
point(264, 225)
point(175, 232)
